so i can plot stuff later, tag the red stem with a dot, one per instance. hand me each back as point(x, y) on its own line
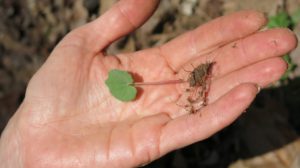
point(158, 83)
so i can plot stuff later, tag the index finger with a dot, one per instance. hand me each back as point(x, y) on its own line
point(210, 36)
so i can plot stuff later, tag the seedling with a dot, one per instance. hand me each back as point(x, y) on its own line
point(123, 87)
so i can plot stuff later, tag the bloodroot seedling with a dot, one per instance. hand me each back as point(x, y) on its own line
point(122, 86)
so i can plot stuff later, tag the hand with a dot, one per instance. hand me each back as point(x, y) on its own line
point(69, 119)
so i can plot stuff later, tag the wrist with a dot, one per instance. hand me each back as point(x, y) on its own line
point(10, 145)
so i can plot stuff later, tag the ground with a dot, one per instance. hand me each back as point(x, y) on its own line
point(30, 29)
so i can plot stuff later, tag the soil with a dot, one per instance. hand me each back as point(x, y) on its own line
point(30, 29)
point(199, 84)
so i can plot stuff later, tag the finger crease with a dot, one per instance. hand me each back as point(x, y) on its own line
point(132, 142)
point(103, 44)
point(168, 64)
point(109, 143)
point(126, 16)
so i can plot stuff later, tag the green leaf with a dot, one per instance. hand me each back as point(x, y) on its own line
point(282, 19)
point(120, 85)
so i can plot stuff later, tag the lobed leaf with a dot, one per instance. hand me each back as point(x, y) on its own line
point(120, 85)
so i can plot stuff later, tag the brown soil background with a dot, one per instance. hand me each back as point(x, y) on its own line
point(29, 29)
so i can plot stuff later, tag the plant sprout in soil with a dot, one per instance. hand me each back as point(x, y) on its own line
point(123, 87)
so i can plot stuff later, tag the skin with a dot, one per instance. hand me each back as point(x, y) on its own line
point(69, 119)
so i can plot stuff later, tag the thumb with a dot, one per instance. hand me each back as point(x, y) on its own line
point(124, 17)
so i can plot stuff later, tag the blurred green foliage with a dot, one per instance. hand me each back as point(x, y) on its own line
point(295, 17)
point(283, 19)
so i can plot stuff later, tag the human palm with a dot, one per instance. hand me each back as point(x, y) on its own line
point(69, 118)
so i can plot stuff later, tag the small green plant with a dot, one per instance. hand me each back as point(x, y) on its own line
point(123, 87)
point(282, 19)
point(120, 84)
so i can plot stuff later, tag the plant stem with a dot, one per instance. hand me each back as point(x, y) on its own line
point(158, 83)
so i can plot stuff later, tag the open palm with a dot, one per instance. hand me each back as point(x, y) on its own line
point(69, 118)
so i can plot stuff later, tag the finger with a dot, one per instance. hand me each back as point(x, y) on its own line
point(124, 17)
point(263, 73)
point(191, 128)
point(210, 36)
point(260, 46)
